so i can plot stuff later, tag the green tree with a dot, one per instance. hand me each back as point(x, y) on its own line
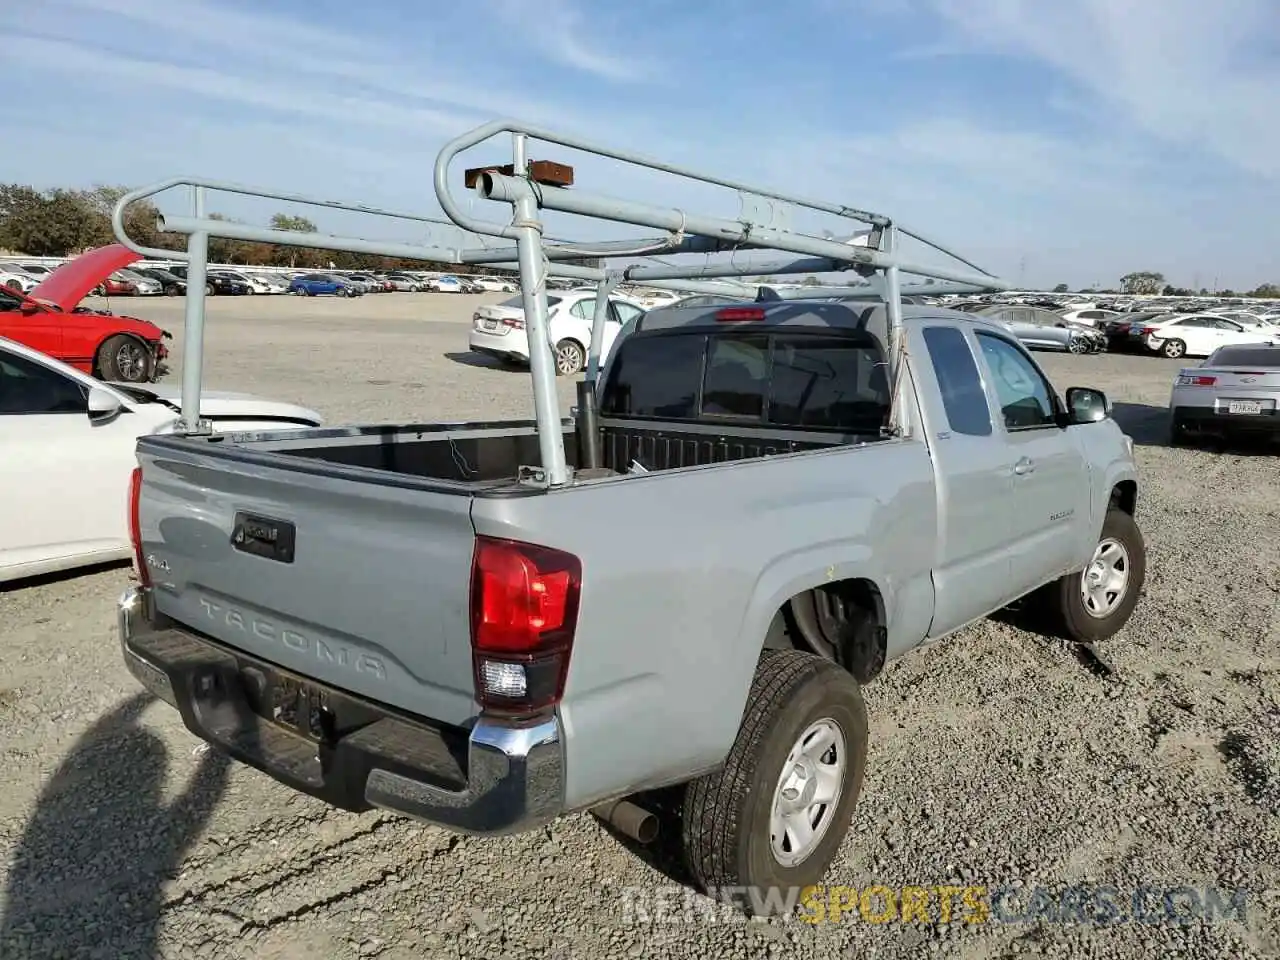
point(1061, 288)
point(51, 224)
point(1142, 281)
point(1267, 290)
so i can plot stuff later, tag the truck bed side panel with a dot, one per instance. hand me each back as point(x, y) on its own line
point(682, 574)
point(374, 601)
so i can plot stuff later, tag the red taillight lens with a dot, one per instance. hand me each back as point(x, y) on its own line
point(135, 527)
point(514, 324)
point(524, 609)
point(739, 314)
point(1191, 380)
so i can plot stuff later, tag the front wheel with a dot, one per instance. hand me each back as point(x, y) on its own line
point(1095, 603)
point(777, 811)
point(1078, 346)
point(209, 290)
point(124, 359)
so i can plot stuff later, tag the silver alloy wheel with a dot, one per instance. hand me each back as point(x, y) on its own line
point(1078, 345)
point(1105, 581)
point(808, 792)
point(568, 358)
point(131, 362)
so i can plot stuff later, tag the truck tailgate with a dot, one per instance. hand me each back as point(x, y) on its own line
point(370, 597)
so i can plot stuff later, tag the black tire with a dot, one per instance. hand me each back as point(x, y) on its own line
point(209, 290)
point(1178, 434)
point(1069, 616)
point(125, 359)
point(1173, 349)
point(570, 358)
point(726, 815)
point(13, 285)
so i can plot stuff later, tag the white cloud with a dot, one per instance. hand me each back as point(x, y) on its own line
point(561, 31)
point(1184, 71)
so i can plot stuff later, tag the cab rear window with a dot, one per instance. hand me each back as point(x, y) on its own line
point(790, 380)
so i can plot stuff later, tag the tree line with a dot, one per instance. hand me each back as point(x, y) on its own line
point(65, 223)
point(1153, 283)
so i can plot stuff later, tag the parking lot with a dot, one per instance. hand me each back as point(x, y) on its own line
point(998, 757)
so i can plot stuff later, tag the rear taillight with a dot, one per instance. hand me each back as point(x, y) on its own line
point(516, 323)
point(135, 527)
point(1196, 381)
point(524, 610)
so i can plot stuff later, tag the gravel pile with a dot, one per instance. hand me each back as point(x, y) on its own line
point(999, 759)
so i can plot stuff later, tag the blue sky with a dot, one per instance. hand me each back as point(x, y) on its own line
point(1064, 141)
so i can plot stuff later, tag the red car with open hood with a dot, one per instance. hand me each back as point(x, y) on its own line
point(123, 349)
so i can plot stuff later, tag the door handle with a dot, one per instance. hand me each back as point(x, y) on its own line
point(1024, 466)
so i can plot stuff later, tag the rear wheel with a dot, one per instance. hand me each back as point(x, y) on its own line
point(209, 290)
point(13, 285)
point(570, 358)
point(777, 811)
point(1173, 349)
point(125, 359)
point(1095, 603)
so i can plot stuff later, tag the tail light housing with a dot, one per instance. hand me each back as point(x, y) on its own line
point(524, 611)
point(515, 323)
point(135, 527)
point(1196, 380)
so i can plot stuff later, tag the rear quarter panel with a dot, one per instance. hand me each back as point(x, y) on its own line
point(683, 572)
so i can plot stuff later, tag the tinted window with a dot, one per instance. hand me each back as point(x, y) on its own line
point(655, 377)
point(1023, 395)
point(736, 377)
point(828, 382)
point(958, 381)
point(9, 301)
point(27, 387)
point(1260, 357)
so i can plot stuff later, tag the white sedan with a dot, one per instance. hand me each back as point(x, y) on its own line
point(16, 279)
point(498, 330)
point(1198, 335)
point(68, 451)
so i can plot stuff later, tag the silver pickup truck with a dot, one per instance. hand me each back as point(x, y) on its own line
point(756, 506)
point(386, 617)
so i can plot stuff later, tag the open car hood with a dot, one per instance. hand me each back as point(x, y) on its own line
point(71, 282)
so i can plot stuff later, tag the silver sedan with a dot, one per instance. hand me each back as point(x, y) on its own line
point(1235, 391)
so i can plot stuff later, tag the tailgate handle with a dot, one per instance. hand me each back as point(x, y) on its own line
point(264, 537)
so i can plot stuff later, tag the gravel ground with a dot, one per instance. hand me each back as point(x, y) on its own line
point(998, 757)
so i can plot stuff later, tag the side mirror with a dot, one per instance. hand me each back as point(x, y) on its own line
point(29, 308)
point(1087, 405)
point(104, 405)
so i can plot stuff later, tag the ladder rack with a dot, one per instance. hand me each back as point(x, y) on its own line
point(873, 252)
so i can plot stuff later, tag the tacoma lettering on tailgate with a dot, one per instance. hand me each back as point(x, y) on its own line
point(299, 642)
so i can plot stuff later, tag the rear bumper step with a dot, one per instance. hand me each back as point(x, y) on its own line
point(347, 751)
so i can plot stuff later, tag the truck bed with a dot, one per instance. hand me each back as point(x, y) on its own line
point(484, 458)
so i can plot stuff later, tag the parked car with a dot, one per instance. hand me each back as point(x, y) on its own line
point(68, 442)
point(448, 285)
point(115, 285)
point(272, 283)
point(1092, 316)
point(499, 331)
point(38, 270)
point(1236, 390)
point(227, 285)
point(144, 286)
point(1040, 329)
point(1197, 335)
point(497, 284)
point(17, 279)
point(94, 342)
point(502, 660)
point(404, 282)
point(170, 284)
point(316, 284)
point(252, 281)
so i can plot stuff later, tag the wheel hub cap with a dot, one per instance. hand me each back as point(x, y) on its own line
point(1105, 580)
point(807, 792)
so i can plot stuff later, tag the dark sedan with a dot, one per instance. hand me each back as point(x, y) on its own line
point(220, 283)
point(171, 285)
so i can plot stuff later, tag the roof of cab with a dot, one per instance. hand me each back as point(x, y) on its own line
point(872, 318)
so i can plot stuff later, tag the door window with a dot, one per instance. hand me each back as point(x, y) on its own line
point(29, 388)
point(957, 374)
point(625, 312)
point(1025, 399)
point(584, 309)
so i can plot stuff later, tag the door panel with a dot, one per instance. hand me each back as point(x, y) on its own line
point(974, 483)
point(1048, 472)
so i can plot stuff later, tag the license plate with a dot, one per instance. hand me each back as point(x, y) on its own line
point(1244, 406)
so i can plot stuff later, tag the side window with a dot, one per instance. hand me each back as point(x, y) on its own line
point(1024, 396)
point(736, 374)
point(957, 374)
point(626, 312)
point(8, 301)
point(29, 388)
point(655, 376)
point(828, 382)
point(584, 309)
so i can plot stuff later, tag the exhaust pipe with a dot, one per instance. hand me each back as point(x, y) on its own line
point(633, 821)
